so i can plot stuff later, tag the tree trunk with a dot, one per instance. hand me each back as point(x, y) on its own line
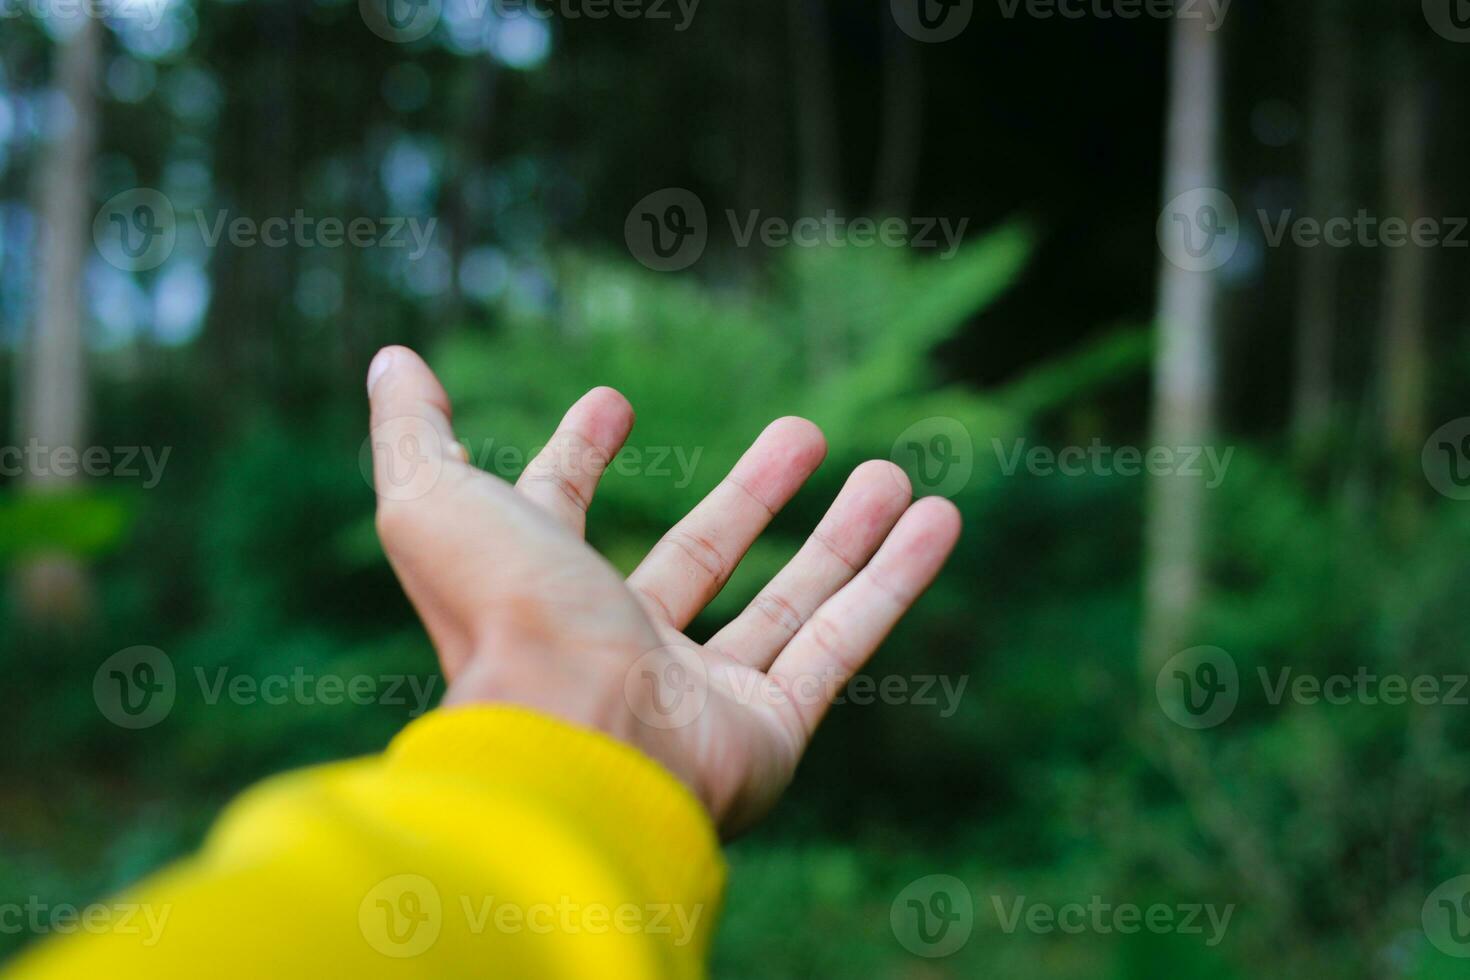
point(903, 112)
point(1328, 152)
point(818, 177)
point(1405, 310)
point(816, 107)
point(1184, 366)
point(54, 588)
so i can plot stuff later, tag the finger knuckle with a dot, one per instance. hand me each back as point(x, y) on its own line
point(702, 551)
point(779, 610)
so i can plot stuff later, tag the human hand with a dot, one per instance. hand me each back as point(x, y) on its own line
point(522, 611)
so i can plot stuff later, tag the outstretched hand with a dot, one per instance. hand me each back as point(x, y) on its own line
point(522, 611)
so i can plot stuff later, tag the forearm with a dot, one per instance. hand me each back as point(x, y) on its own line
point(486, 841)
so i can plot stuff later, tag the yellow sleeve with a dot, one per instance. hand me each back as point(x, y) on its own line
point(486, 842)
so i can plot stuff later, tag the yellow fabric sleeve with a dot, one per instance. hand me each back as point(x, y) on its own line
point(486, 842)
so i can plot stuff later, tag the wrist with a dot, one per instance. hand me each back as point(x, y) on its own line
point(541, 681)
point(591, 691)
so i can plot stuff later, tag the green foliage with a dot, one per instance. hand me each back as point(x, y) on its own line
point(84, 523)
point(846, 338)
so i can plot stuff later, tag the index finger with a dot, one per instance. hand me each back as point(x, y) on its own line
point(412, 437)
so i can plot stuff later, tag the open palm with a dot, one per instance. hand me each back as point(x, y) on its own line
point(521, 610)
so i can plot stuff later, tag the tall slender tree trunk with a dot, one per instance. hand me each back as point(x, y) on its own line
point(1184, 366)
point(897, 167)
point(1405, 297)
point(1185, 371)
point(818, 175)
point(53, 390)
point(816, 107)
point(763, 118)
point(1328, 155)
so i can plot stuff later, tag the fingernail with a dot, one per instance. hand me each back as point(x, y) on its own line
point(379, 367)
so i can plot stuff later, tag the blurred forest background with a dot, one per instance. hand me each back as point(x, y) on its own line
point(1067, 317)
